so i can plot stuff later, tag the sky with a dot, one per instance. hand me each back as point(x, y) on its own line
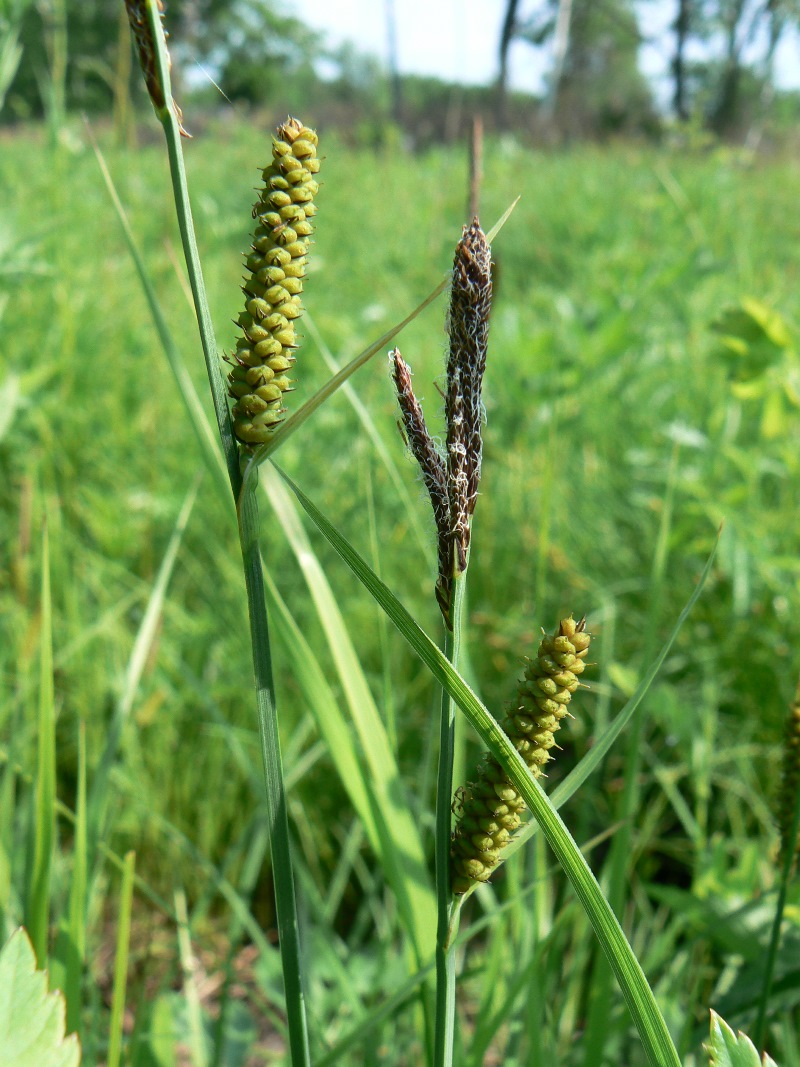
point(458, 39)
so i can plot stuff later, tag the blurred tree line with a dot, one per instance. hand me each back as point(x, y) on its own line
point(60, 55)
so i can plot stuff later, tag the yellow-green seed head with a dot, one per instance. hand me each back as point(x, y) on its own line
point(277, 265)
point(490, 809)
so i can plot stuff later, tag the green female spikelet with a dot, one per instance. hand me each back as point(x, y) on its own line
point(790, 780)
point(277, 263)
point(490, 810)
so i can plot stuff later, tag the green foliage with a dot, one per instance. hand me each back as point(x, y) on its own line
point(726, 1049)
point(256, 52)
point(602, 368)
point(757, 346)
point(31, 1019)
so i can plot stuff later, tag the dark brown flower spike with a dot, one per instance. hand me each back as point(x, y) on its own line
point(468, 327)
point(146, 47)
point(460, 468)
point(431, 464)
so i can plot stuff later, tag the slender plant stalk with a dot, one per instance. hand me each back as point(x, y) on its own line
point(760, 1032)
point(273, 773)
point(641, 1002)
point(445, 906)
point(247, 512)
point(597, 1028)
point(183, 210)
point(44, 829)
point(121, 960)
point(789, 824)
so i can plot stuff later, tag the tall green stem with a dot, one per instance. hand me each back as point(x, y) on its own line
point(247, 512)
point(285, 905)
point(446, 909)
point(760, 1032)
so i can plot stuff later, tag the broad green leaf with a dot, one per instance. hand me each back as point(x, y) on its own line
point(726, 1049)
point(31, 1019)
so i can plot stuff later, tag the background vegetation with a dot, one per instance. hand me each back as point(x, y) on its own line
point(642, 389)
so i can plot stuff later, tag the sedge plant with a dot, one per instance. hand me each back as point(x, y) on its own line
point(252, 432)
point(253, 411)
point(253, 420)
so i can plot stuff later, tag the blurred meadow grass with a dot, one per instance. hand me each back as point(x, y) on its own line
point(614, 447)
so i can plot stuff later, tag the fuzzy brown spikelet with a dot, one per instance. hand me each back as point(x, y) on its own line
point(490, 810)
point(456, 474)
point(146, 47)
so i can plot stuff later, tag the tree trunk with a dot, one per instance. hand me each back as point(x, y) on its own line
point(723, 120)
point(394, 69)
point(506, 36)
point(560, 50)
point(679, 102)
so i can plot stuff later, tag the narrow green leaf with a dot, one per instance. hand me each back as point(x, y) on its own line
point(70, 950)
point(286, 429)
point(121, 961)
point(403, 853)
point(31, 1019)
point(194, 1010)
point(209, 444)
point(38, 909)
point(638, 995)
point(183, 210)
point(77, 894)
point(142, 646)
point(331, 723)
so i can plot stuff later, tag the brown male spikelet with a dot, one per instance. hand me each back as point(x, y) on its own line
point(146, 47)
point(790, 780)
point(489, 810)
point(277, 264)
point(452, 480)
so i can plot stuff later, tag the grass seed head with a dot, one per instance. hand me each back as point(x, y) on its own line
point(489, 810)
point(277, 265)
point(468, 329)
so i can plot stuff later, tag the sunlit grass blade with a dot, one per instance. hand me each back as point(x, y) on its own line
point(332, 725)
point(639, 997)
point(42, 832)
point(209, 443)
point(143, 643)
point(286, 429)
point(76, 925)
point(404, 857)
point(378, 444)
point(69, 955)
point(121, 961)
point(183, 210)
point(194, 1011)
point(617, 868)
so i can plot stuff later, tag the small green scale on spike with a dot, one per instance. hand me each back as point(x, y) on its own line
point(277, 265)
point(490, 810)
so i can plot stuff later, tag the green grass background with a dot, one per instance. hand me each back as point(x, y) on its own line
point(614, 448)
